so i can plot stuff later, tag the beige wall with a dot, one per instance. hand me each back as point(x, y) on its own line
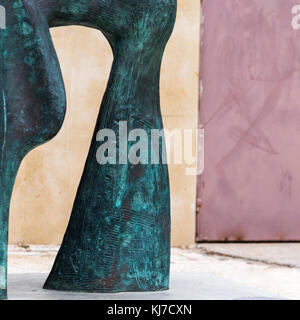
point(48, 178)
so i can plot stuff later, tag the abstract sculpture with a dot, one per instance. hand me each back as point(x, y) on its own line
point(118, 237)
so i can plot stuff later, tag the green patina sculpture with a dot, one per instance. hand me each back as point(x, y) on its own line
point(118, 237)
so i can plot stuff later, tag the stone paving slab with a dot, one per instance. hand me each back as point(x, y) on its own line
point(270, 269)
point(184, 286)
point(282, 254)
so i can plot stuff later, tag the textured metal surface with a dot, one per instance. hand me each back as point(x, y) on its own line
point(118, 238)
point(32, 100)
point(250, 109)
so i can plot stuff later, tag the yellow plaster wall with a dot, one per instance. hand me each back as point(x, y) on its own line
point(48, 178)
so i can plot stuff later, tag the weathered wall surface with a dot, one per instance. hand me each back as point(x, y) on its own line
point(250, 113)
point(48, 178)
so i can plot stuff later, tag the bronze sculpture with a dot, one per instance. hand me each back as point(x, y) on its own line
point(118, 237)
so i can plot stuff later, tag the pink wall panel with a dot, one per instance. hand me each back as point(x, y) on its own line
point(250, 110)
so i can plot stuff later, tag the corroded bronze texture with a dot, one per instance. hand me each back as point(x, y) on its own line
point(118, 237)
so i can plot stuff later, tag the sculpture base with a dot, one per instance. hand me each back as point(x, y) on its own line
point(95, 287)
point(3, 294)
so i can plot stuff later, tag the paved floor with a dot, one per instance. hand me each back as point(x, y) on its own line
point(284, 254)
point(205, 271)
point(184, 285)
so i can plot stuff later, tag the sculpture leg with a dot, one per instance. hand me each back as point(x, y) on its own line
point(3, 249)
point(7, 178)
point(3, 255)
point(118, 237)
point(32, 101)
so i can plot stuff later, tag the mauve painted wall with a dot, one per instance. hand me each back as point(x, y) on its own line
point(250, 110)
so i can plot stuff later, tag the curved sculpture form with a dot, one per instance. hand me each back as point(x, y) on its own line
point(118, 237)
point(32, 101)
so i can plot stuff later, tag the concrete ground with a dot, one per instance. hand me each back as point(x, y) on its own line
point(204, 271)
